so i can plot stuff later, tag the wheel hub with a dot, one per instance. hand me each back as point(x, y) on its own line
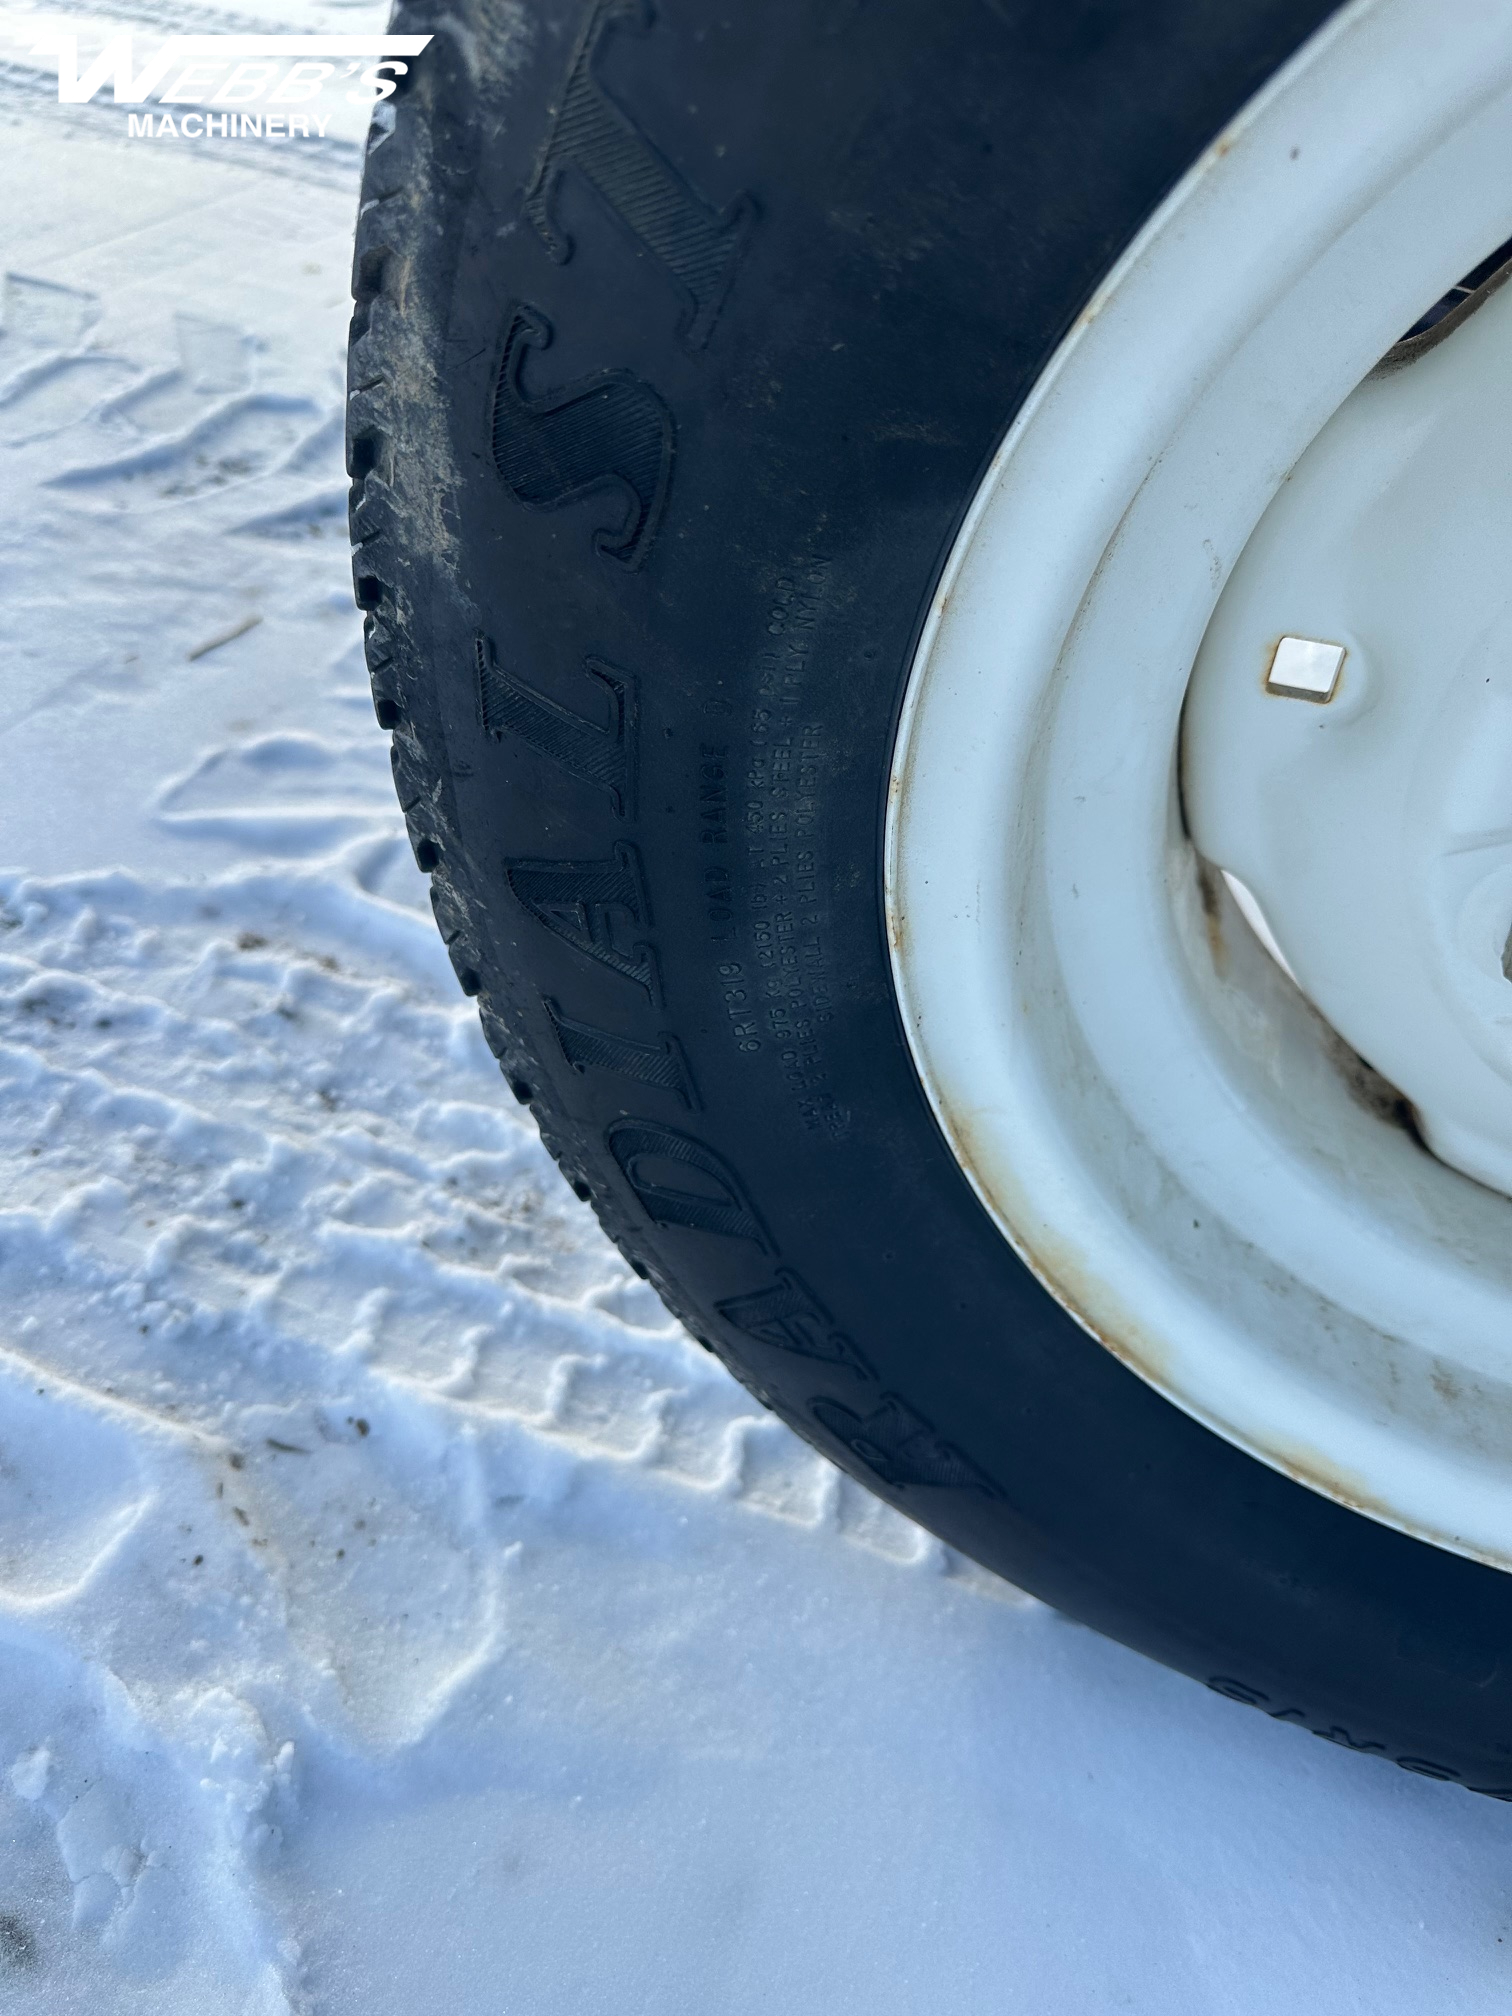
point(1347, 740)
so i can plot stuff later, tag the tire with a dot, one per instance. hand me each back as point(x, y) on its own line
point(651, 493)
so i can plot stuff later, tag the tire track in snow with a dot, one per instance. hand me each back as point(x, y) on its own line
point(248, 1109)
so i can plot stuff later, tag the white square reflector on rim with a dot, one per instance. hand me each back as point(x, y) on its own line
point(1305, 668)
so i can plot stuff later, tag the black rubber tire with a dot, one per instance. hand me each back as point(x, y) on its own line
point(681, 343)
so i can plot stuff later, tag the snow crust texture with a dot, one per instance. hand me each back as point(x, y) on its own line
point(397, 1610)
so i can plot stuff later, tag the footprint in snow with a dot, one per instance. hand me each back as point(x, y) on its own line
point(244, 438)
point(290, 794)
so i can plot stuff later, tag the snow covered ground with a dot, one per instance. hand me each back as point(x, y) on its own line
point(396, 1612)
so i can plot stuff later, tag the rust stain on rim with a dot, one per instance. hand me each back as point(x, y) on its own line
point(1065, 1275)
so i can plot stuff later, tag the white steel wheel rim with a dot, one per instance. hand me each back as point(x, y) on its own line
point(1165, 1132)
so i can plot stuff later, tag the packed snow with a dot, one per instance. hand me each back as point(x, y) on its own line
point(397, 1611)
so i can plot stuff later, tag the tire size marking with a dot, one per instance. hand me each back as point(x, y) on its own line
point(739, 1005)
point(786, 926)
point(784, 787)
